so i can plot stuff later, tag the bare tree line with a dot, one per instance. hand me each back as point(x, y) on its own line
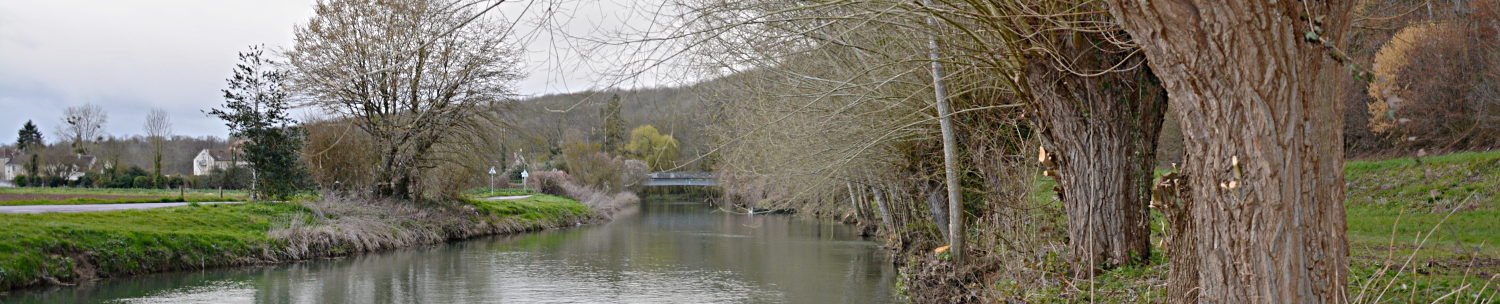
point(832, 101)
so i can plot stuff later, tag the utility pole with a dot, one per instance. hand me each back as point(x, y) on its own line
point(950, 141)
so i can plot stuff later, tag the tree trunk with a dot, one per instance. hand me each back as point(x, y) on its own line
point(1253, 85)
point(950, 142)
point(1171, 198)
point(937, 204)
point(885, 212)
point(1102, 132)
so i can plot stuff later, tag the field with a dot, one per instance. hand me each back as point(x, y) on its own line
point(70, 196)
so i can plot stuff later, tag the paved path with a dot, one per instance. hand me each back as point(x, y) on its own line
point(496, 198)
point(94, 207)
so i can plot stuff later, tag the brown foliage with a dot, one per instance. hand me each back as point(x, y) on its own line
point(339, 156)
point(1433, 82)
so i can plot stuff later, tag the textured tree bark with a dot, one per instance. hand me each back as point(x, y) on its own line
point(1253, 84)
point(1102, 134)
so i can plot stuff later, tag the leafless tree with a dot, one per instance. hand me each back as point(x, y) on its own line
point(415, 75)
point(82, 125)
point(158, 128)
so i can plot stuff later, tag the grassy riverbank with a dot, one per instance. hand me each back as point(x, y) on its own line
point(1417, 232)
point(64, 248)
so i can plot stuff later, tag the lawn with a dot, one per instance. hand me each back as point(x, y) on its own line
point(1417, 232)
point(70, 196)
point(541, 207)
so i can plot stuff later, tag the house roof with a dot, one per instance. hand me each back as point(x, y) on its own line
point(220, 154)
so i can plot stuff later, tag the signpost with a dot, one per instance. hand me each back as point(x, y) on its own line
point(492, 177)
point(524, 176)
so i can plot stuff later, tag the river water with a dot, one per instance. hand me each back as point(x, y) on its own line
point(659, 252)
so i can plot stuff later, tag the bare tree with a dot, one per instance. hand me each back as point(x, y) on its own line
point(413, 74)
point(1254, 84)
point(82, 125)
point(158, 128)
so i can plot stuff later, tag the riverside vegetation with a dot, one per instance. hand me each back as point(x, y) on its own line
point(68, 248)
point(1418, 233)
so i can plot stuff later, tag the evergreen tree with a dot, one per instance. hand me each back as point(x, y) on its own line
point(29, 137)
point(256, 108)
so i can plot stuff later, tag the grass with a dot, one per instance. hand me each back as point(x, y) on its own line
point(60, 248)
point(1392, 207)
point(492, 192)
point(128, 196)
point(46, 246)
point(122, 191)
point(82, 201)
point(537, 207)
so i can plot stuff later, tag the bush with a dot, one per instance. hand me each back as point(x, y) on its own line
point(1433, 85)
point(20, 180)
point(142, 182)
point(339, 157)
point(550, 182)
point(560, 183)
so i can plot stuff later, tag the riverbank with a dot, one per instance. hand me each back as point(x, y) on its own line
point(1418, 231)
point(70, 248)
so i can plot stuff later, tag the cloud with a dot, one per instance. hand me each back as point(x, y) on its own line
point(130, 56)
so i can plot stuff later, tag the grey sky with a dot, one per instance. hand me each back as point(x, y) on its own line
point(130, 56)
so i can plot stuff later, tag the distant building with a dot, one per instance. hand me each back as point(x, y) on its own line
point(10, 166)
point(208, 160)
point(70, 168)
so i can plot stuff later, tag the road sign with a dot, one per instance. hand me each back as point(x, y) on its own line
point(492, 170)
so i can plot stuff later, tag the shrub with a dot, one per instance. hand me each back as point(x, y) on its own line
point(20, 180)
point(549, 182)
point(142, 182)
point(1433, 84)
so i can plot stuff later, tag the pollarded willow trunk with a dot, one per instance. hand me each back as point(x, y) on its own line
point(1253, 84)
point(1102, 133)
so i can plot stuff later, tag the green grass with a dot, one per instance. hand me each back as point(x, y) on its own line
point(1391, 206)
point(148, 196)
point(122, 191)
point(132, 241)
point(81, 201)
point(538, 207)
point(492, 192)
point(117, 243)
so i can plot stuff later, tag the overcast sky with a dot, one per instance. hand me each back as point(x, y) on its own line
point(131, 56)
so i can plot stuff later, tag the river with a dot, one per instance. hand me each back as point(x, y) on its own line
point(659, 252)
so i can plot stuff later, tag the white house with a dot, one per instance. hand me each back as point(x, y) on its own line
point(207, 160)
point(10, 167)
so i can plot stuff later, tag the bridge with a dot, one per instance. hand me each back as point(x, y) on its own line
point(682, 179)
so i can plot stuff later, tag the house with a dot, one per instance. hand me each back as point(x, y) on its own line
point(208, 160)
point(10, 167)
point(72, 169)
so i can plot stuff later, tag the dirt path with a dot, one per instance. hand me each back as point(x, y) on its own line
point(94, 207)
point(496, 198)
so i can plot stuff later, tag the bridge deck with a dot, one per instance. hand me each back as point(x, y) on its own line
point(682, 179)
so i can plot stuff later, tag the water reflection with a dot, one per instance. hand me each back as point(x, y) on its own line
point(661, 252)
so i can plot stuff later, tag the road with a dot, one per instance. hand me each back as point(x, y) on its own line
point(93, 207)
